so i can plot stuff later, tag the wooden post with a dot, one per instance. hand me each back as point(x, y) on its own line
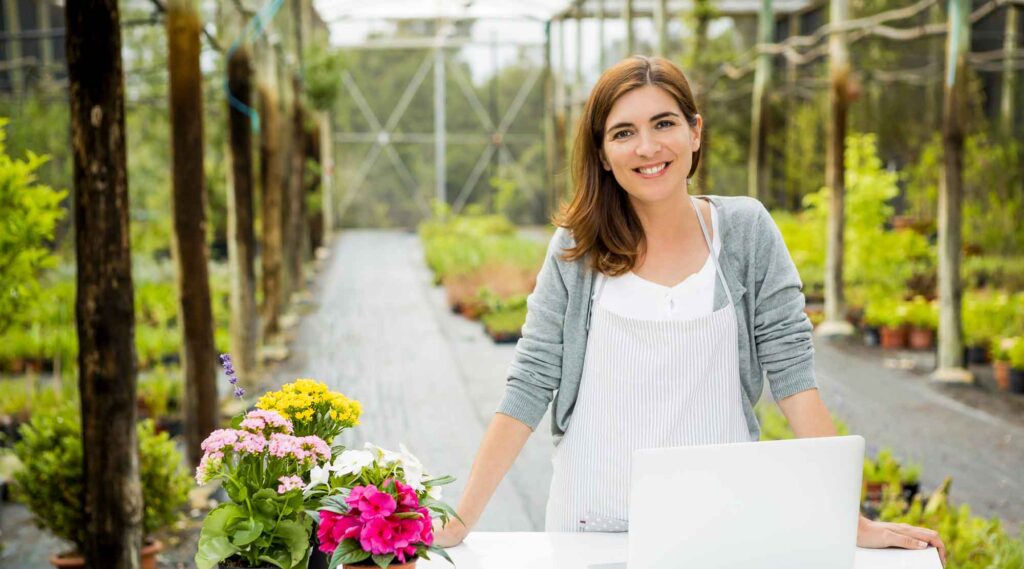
point(703, 174)
point(954, 114)
point(835, 323)
point(327, 174)
point(296, 202)
point(561, 99)
point(104, 302)
point(272, 195)
point(627, 18)
point(577, 87)
point(757, 170)
point(1007, 104)
point(601, 57)
point(45, 42)
point(188, 209)
point(241, 233)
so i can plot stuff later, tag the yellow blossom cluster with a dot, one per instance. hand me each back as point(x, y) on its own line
point(307, 400)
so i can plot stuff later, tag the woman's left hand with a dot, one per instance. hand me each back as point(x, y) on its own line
point(877, 535)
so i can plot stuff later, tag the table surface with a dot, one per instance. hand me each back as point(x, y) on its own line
point(551, 550)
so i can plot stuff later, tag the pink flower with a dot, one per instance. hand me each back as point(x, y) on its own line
point(207, 465)
point(377, 536)
point(335, 528)
point(258, 420)
point(289, 483)
point(371, 502)
point(426, 527)
point(405, 552)
point(406, 531)
point(406, 495)
point(251, 443)
point(220, 439)
point(315, 448)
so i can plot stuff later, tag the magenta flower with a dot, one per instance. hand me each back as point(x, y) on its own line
point(406, 495)
point(377, 536)
point(371, 502)
point(405, 552)
point(335, 528)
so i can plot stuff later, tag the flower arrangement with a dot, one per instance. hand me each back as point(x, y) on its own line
point(262, 461)
point(312, 408)
point(261, 466)
point(377, 504)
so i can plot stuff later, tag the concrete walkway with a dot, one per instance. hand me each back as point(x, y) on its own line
point(383, 334)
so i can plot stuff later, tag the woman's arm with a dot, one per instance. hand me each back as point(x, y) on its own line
point(808, 417)
point(504, 439)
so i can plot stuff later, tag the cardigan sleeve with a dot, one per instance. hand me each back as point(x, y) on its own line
point(782, 331)
point(536, 369)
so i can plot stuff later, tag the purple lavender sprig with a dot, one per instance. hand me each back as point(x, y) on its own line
point(225, 361)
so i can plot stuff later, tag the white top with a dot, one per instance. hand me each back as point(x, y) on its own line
point(538, 550)
point(635, 297)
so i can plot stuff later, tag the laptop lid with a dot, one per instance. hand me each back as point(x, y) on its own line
point(790, 504)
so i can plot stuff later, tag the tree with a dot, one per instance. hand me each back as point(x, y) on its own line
point(104, 306)
point(189, 212)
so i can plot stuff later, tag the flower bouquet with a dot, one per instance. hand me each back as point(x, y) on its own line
point(376, 507)
point(262, 461)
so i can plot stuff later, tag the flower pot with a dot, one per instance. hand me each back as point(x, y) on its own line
point(1017, 380)
point(873, 491)
point(871, 337)
point(411, 564)
point(977, 355)
point(1001, 370)
point(922, 338)
point(149, 552)
point(910, 490)
point(893, 338)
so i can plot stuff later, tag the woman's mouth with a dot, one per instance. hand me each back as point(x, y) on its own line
point(652, 171)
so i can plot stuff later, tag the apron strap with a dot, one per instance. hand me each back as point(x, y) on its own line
point(711, 247)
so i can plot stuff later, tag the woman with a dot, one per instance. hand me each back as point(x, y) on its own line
point(655, 316)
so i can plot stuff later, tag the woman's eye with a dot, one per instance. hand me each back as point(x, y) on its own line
point(667, 123)
point(620, 134)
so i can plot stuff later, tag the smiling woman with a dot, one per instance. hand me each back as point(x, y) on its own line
point(655, 320)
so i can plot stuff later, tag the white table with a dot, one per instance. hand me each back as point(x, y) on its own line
point(541, 550)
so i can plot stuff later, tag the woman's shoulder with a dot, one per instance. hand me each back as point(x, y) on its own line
point(739, 209)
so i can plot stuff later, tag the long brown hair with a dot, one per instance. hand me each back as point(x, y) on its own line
point(600, 216)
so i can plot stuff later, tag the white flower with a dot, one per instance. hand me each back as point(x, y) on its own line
point(317, 476)
point(352, 462)
point(434, 492)
point(414, 473)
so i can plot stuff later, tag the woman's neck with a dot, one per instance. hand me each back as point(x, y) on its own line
point(666, 221)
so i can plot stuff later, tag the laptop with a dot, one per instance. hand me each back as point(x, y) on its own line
point(790, 504)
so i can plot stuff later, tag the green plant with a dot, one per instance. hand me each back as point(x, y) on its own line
point(1000, 347)
point(920, 313)
point(885, 469)
point(30, 211)
point(1016, 354)
point(51, 479)
point(161, 391)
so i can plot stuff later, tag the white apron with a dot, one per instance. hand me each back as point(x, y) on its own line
point(645, 384)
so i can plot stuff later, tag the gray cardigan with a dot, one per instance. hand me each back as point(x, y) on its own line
point(773, 331)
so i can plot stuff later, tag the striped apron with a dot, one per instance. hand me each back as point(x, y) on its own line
point(645, 384)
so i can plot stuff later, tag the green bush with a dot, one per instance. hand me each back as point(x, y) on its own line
point(161, 391)
point(50, 481)
point(1016, 354)
point(991, 315)
point(30, 212)
point(885, 469)
point(922, 313)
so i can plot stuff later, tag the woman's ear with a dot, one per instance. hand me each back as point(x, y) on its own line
point(697, 130)
point(604, 159)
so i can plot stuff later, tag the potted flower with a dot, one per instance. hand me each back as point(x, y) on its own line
point(890, 316)
point(1016, 353)
point(260, 463)
point(1000, 348)
point(376, 508)
point(923, 318)
point(263, 459)
point(50, 481)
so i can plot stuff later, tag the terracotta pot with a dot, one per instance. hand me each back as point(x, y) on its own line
point(410, 565)
point(893, 338)
point(922, 338)
point(76, 562)
point(1002, 373)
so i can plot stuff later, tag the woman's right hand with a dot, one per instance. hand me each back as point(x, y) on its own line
point(451, 535)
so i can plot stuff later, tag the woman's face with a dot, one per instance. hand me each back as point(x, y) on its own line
point(648, 145)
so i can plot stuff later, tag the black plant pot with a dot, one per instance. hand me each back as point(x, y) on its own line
point(1017, 380)
point(976, 355)
point(317, 559)
point(871, 336)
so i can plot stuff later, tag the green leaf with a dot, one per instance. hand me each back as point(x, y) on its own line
point(441, 552)
point(348, 552)
point(220, 518)
point(383, 561)
point(439, 481)
point(212, 550)
point(408, 515)
point(246, 532)
point(295, 538)
point(277, 558)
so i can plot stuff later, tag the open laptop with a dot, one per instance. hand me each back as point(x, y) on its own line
point(771, 505)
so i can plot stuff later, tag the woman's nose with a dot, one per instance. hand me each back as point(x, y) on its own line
point(646, 145)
